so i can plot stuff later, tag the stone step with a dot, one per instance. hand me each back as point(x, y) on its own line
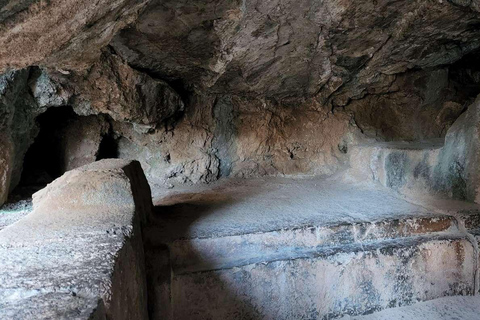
point(331, 282)
point(201, 254)
point(372, 251)
point(447, 308)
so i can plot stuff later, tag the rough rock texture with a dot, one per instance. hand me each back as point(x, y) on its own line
point(202, 90)
point(335, 51)
point(6, 165)
point(199, 90)
point(459, 158)
point(290, 47)
point(80, 249)
point(18, 110)
point(13, 211)
point(240, 88)
point(418, 105)
point(273, 48)
point(62, 34)
point(239, 137)
point(24, 95)
point(80, 143)
point(111, 87)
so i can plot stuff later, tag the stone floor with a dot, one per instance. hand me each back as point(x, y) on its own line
point(289, 248)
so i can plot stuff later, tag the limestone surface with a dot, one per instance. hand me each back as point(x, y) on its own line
point(198, 91)
point(79, 253)
point(277, 248)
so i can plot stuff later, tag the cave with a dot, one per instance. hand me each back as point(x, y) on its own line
point(174, 160)
point(64, 141)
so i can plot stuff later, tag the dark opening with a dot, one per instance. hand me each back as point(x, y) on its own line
point(65, 141)
point(44, 161)
point(108, 148)
point(465, 75)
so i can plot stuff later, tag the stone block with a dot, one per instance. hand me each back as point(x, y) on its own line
point(80, 249)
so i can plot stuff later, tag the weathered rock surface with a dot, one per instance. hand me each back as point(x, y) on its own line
point(385, 62)
point(203, 90)
point(319, 249)
point(80, 141)
point(353, 283)
point(199, 90)
point(441, 166)
point(111, 87)
point(418, 105)
point(336, 51)
point(459, 158)
point(60, 34)
point(80, 249)
point(6, 165)
point(239, 137)
point(24, 95)
point(231, 88)
point(297, 48)
point(18, 110)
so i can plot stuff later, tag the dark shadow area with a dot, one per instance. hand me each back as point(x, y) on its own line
point(465, 75)
point(65, 141)
point(421, 104)
point(172, 219)
point(108, 148)
point(43, 161)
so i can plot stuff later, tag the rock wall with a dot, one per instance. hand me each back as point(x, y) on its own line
point(197, 91)
point(458, 170)
point(238, 137)
point(18, 110)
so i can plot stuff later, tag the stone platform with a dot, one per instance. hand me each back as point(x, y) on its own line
point(281, 248)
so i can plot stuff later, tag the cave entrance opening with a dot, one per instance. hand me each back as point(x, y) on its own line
point(64, 142)
point(108, 148)
point(43, 161)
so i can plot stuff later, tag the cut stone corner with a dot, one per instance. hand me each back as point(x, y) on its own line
point(88, 222)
